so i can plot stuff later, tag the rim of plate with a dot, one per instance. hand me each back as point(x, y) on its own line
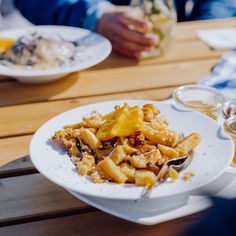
point(56, 70)
point(127, 197)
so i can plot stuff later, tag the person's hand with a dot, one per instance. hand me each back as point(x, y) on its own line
point(128, 33)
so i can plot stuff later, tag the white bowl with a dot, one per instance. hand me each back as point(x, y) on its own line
point(95, 49)
point(212, 156)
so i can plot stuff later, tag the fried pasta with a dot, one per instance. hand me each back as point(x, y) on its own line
point(128, 145)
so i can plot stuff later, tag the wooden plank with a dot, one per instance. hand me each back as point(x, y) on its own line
point(178, 52)
point(102, 224)
point(22, 162)
point(107, 81)
point(14, 148)
point(33, 196)
point(25, 119)
point(186, 31)
point(20, 166)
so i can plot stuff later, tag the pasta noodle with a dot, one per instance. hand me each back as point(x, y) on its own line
point(128, 145)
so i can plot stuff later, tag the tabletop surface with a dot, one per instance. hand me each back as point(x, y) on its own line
point(32, 205)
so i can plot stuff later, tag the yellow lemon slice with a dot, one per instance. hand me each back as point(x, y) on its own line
point(5, 44)
point(123, 122)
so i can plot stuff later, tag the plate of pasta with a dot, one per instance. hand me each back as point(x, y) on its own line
point(116, 149)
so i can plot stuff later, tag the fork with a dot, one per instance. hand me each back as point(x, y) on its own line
point(177, 164)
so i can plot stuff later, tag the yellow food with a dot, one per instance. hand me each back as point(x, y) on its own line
point(128, 145)
point(97, 178)
point(88, 160)
point(154, 157)
point(109, 167)
point(168, 151)
point(5, 44)
point(188, 176)
point(86, 165)
point(123, 122)
point(118, 155)
point(145, 178)
point(188, 144)
point(128, 149)
point(150, 111)
point(139, 161)
point(129, 171)
point(174, 175)
point(159, 123)
point(89, 138)
point(166, 136)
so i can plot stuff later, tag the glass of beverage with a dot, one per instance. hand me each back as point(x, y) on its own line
point(230, 128)
point(162, 15)
point(200, 98)
point(229, 108)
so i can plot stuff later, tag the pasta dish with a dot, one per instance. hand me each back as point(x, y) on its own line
point(37, 51)
point(128, 145)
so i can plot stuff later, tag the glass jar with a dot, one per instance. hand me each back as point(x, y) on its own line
point(230, 128)
point(229, 108)
point(200, 98)
point(162, 15)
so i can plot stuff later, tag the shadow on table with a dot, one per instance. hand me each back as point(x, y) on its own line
point(21, 166)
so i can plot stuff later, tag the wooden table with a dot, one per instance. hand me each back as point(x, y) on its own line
point(32, 205)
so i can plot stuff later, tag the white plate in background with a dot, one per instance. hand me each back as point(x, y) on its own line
point(95, 49)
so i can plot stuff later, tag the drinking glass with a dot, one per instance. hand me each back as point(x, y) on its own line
point(162, 15)
point(200, 98)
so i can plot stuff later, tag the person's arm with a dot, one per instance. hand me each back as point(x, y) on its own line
point(213, 9)
point(219, 220)
point(78, 13)
point(110, 21)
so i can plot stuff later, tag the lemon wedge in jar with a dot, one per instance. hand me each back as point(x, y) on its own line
point(123, 122)
point(5, 44)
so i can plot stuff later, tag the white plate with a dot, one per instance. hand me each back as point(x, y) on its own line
point(212, 157)
point(154, 211)
point(128, 210)
point(96, 49)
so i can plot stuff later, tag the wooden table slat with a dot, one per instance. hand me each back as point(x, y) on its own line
point(186, 31)
point(20, 166)
point(107, 81)
point(179, 52)
point(100, 224)
point(13, 148)
point(26, 119)
point(33, 195)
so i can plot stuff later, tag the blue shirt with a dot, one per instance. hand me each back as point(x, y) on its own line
point(212, 9)
point(78, 13)
point(85, 13)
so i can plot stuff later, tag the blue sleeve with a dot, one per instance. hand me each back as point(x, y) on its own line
point(212, 9)
point(78, 13)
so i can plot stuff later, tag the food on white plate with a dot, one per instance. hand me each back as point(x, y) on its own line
point(188, 176)
point(37, 51)
point(5, 44)
point(128, 145)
